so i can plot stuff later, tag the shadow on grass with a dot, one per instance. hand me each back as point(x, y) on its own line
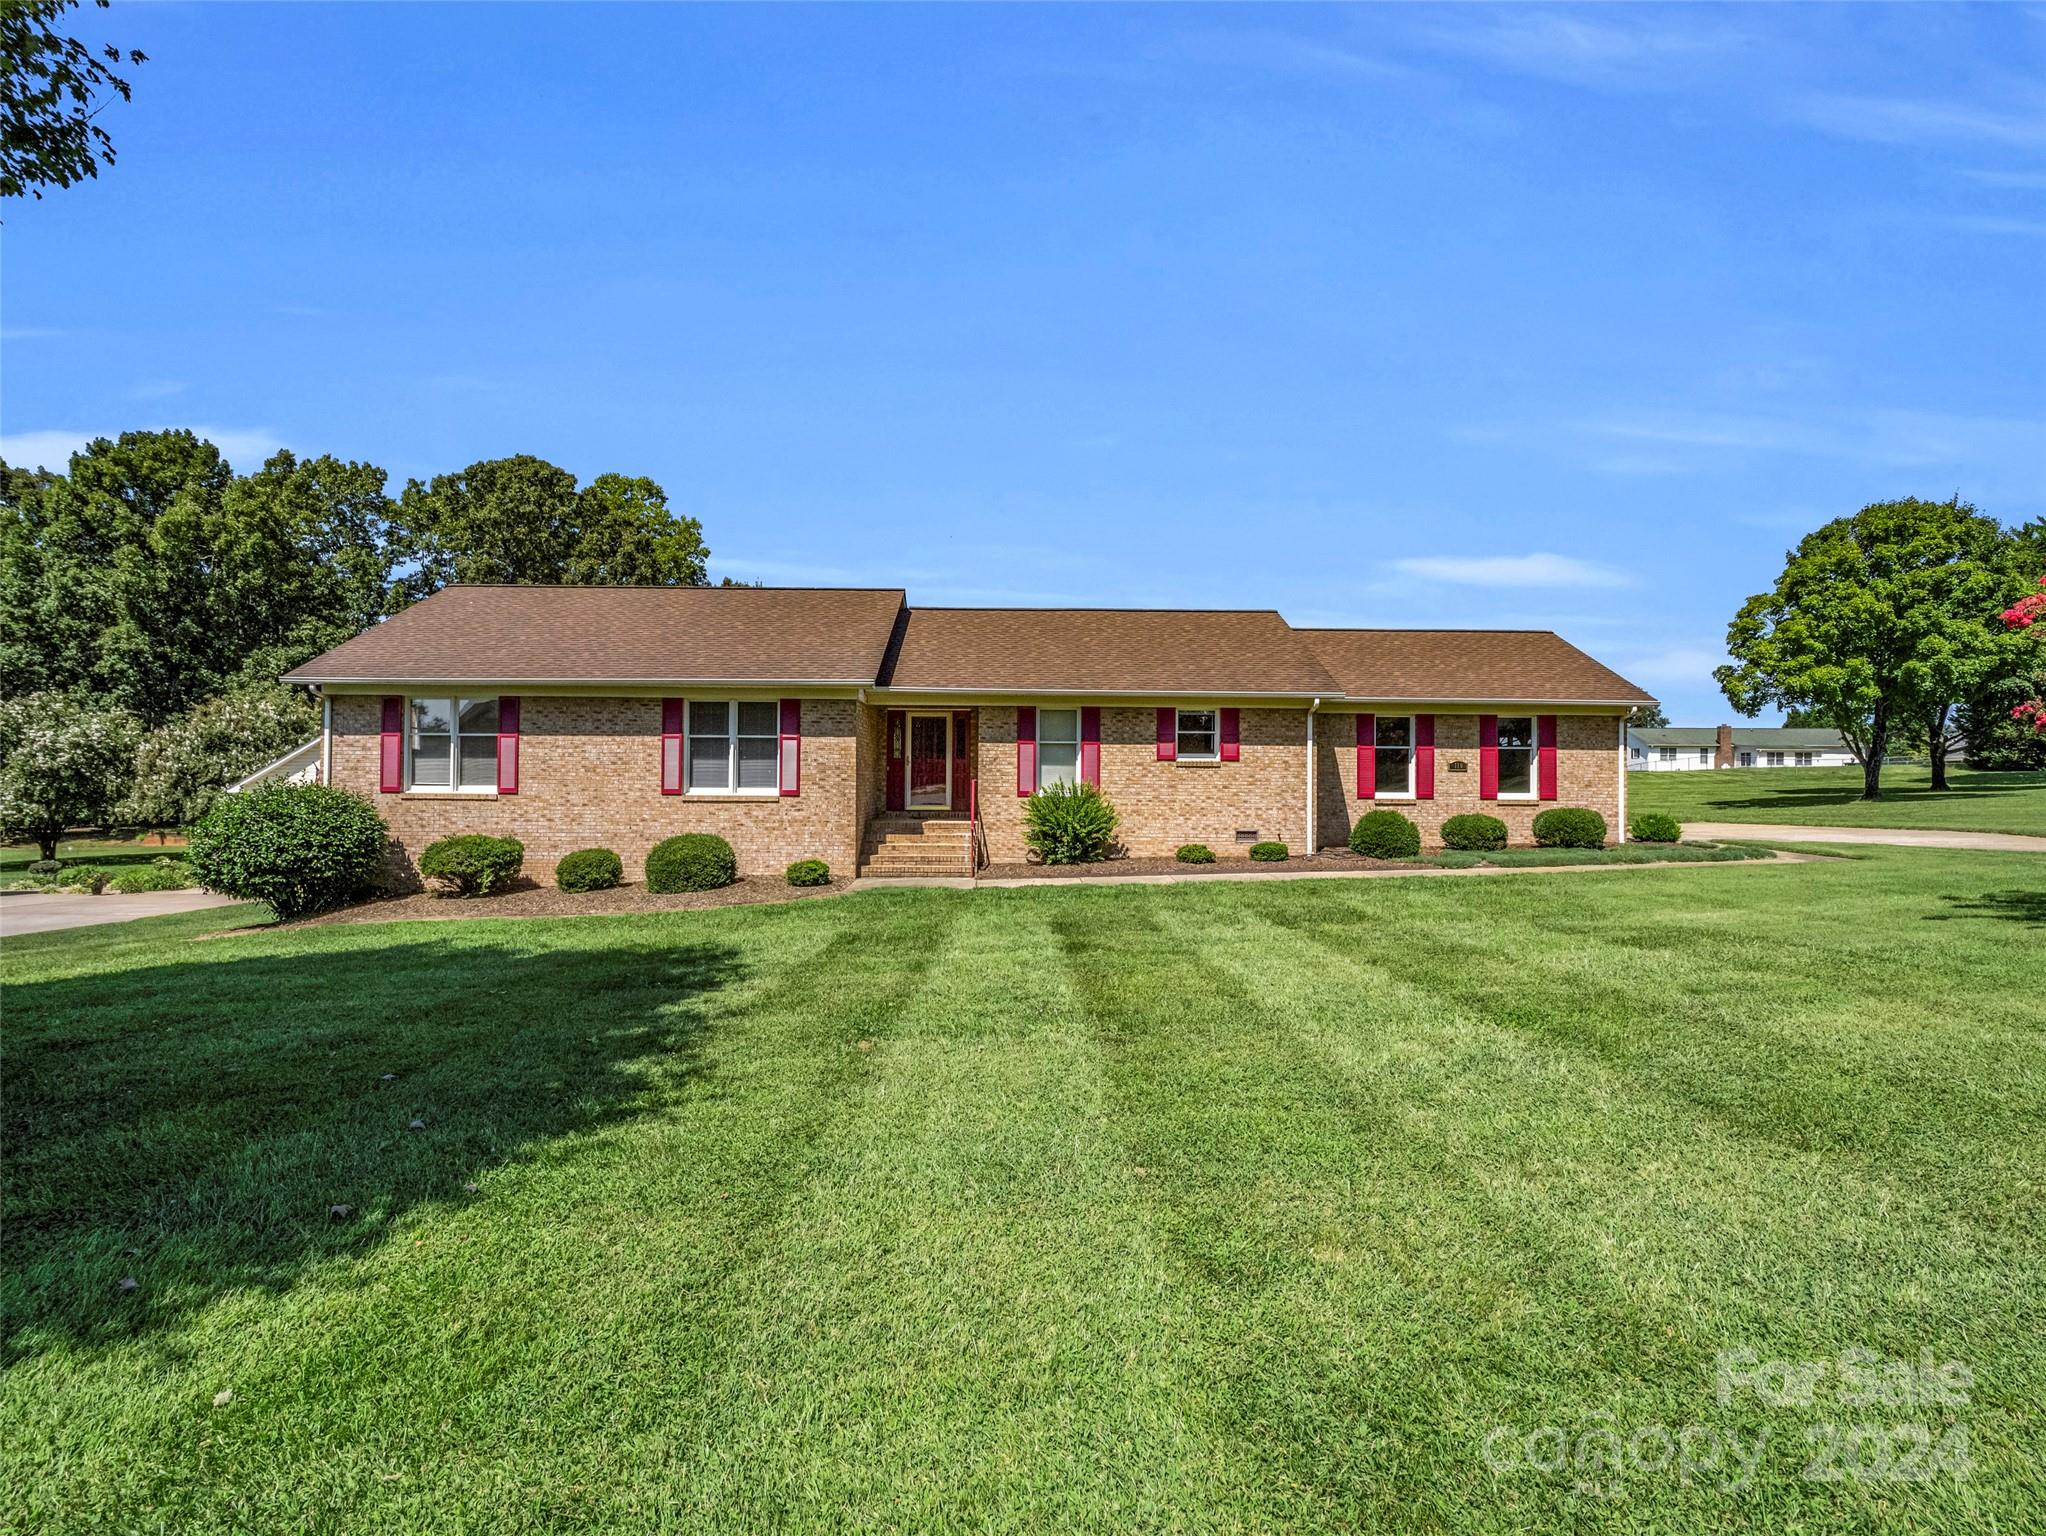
point(2027, 907)
point(193, 1125)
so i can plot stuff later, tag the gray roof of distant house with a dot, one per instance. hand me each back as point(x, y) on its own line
point(1774, 738)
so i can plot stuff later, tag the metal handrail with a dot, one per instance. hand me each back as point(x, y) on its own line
point(972, 826)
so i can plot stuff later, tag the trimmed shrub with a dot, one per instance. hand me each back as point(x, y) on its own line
point(44, 868)
point(1474, 832)
point(1195, 853)
point(1384, 834)
point(1570, 826)
point(472, 864)
point(1654, 827)
point(163, 875)
point(589, 869)
point(1069, 824)
point(84, 877)
point(1269, 852)
point(298, 848)
point(809, 872)
point(690, 861)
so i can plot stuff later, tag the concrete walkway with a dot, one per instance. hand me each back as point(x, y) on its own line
point(1895, 837)
point(1334, 872)
point(45, 912)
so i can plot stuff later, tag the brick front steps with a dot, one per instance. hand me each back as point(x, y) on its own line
point(921, 847)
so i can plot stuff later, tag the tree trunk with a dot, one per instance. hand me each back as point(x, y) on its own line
point(47, 842)
point(1872, 764)
point(1936, 746)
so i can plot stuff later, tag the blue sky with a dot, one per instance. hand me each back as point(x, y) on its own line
point(1396, 315)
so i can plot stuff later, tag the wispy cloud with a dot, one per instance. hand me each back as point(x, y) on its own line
point(1607, 54)
point(31, 333)
point(244, 447)
point(1688, 664)
point(1536, 570)
point(1895, 439)
point(1289, 53)
point(1990, 225)
point(2027, 181)
point(1908, 120)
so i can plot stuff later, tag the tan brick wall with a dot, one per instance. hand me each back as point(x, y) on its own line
point(1587, 773)
point(590, 776)
point(1163, 805)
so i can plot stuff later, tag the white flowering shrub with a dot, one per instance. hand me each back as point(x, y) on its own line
point(64, 762)
point(182, 767)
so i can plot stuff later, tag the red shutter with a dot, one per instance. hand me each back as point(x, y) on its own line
point(898, 727)
point(1545, 756)
point(1367, 757)
point(508, 746)
point(671, 746)
point(1230, 741)
point(962, 765)
point(1488, 757)
point(1168, 735)
point(1026, 749)
point(792, 746)
point(1424, 757)
point(1090, 745)
point(391, 754)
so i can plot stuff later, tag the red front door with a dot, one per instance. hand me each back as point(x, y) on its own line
point(930, 760)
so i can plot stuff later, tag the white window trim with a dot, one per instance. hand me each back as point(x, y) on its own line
point(1197, 757)
point(730, 790)
point(1078, 742)
point(1534, 759)
point(455, 734)
point(1411, 750)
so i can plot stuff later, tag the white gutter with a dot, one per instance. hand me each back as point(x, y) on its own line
point(1308, 841)
point(326, 739)
point(1623, 780)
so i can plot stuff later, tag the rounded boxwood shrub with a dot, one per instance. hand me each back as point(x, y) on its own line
point(1069, 824)
point(472, 864)
point(1570, 826)
point(1385, 834)
point(690, 861)
point(1474, 832)
point(809, 872)
point(162, 875)
point(589, 869)
point(1195, 853)
point(1269, 852)
point(299, 848)
point(84, 877)
point(1654, 827)
point(44, 868)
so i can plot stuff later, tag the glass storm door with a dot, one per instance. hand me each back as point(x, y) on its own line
point(930, 760)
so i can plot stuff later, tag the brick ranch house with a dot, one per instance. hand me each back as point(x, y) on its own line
point(843, 724)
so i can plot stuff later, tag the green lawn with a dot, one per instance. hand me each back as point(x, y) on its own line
point(1203, 1208)
point(109, 852)
point(1831, 797)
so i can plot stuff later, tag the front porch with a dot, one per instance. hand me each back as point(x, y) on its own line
point(928, 824)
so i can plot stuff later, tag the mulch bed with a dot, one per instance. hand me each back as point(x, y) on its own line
point(527, 898)
point(1328, 859)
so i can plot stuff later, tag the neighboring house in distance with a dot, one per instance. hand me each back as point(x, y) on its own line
point(1677, 749)
point(846, 725)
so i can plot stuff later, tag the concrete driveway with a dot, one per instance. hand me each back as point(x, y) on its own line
point(38, 912)
point(1895, 837)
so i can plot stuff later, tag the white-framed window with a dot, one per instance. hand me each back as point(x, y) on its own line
point(1704, 754)
point(734, 747)
point(1058, 747)
point(1669, 754)
point(1516, 757)
point(1747, 759)
point(1805, 759)
point(1775, 760)
point(1393, 759)
point(1200, 736)
point(452, 744)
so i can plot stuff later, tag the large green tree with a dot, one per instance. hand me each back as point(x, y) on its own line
point(152, 575)
point(181, 768)
point(522, 519)
point(1879, 622)
point(52, 90)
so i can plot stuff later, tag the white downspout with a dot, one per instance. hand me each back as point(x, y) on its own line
point(1308, 842)
point(326, 738)
point(1623, 780)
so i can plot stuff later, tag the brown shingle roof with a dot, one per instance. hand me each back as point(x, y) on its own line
point(622, 634)
point(1104, 650)
point(1532, 666)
